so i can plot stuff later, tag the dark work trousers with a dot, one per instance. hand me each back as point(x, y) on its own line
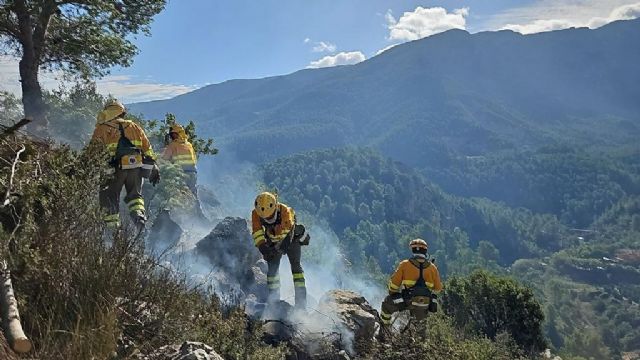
point(273, 256)
point(131, 180)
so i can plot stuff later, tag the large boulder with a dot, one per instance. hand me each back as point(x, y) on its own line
point(353, 312)
point(165, 232)
point(229, 248)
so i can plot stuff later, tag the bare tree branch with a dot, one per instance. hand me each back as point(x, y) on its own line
point(13, 128)
point(7, 194)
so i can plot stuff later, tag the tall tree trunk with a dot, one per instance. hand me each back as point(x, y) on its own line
point(32, 40)
point(32, 100)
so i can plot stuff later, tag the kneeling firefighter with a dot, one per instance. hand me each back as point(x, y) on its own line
point(275, 233)
point(413, 285)
point(132, 159)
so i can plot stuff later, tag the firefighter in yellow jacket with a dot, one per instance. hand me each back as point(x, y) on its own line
point(132, 159)
point(408, 289)
point(180, 152)
point(276, 233)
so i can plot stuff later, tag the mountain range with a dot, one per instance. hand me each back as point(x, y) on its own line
point(426, 102)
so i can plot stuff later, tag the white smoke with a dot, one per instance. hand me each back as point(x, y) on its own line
point(325, 265)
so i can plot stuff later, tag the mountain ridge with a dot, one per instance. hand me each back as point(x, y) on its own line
point(450, 94)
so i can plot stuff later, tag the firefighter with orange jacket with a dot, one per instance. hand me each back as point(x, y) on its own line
point(275, 233)
point(180, 152)
point(132, 159)
point(413, 285)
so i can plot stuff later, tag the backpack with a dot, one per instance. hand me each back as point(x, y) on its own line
point(128, 156)
point(421, 288)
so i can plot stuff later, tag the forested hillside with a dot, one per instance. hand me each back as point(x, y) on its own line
point(574, 184)
point(377, 205)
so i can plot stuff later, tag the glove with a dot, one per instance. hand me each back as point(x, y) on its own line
point(154, 178)
point(301, 234)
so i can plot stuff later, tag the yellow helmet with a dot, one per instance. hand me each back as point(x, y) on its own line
point(418, 244)
point(178, 129)
point(112, 109)
point(266, 205)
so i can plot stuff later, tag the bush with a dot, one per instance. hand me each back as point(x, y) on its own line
point(492, 305)
point(445, 342)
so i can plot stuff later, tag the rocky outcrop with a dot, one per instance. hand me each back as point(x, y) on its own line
point(165, 232)
point(353, 311)
point(230, 247)
point(233, 264)
point(187, 351)
point(343, 324)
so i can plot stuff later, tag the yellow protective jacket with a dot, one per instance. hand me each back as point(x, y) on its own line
point(408, 273)
point(181, 152)
point(108, 134)
point(276, 232)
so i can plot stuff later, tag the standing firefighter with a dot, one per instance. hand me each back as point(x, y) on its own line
point(132, 159)
point(180, 152)
point(275, 233)
point(413, 285)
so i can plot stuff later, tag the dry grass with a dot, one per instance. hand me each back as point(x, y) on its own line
point(81, 299)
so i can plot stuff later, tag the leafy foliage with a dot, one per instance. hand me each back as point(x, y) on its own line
point(79, 37)
point(158, 132)
point(492, 305)
point(445, 341)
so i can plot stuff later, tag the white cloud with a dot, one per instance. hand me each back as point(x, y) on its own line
point(126, 88)
point(547, 15)
point(306, 40)
point(423, 22)
point(343, 58)
point(322, 46)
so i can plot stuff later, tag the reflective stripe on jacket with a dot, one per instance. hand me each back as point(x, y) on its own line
point(408, 273)
point(108, 133)
point(276, 232)
point(181, 152)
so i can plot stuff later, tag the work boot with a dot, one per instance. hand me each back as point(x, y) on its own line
point(139, 219)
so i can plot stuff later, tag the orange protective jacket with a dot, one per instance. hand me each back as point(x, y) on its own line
point(108, 133)
point(408, 273)
point(276, 232)
point(181, 152)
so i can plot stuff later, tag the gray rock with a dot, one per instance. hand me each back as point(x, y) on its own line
point(187, 351)
point(165, 232)
point(353, 311)
point(229, 248)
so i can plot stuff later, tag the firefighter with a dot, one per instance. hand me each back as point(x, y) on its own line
point(180, 152)
point(131, 158)
point(275, 233)
point(410, 287)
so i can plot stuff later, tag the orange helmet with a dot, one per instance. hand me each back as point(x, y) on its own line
point(418, 244)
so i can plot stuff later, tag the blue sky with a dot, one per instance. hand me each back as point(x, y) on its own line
point(200, 42)
point(195, 42)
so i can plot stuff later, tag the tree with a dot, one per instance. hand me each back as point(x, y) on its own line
point(78, 37)
point(492, 305)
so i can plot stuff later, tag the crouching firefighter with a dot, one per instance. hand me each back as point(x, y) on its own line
point(275, 233)
point(132, 159)
point(412, 286)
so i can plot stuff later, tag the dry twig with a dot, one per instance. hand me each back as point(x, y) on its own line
point(7, 194)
